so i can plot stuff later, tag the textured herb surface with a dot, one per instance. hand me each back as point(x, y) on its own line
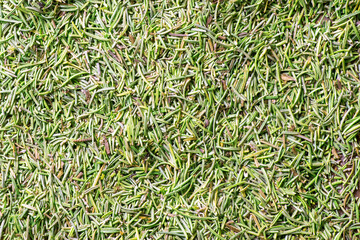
point(179, 119)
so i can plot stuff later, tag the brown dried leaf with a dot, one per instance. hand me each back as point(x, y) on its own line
point(286, 78)
point(231, 227)
point(223, 84)
point(206, 123)
point(338, 84)
point(83, 140)
point(87, 94)
point(106, 145)
point(208, 21)
point(243, 34)
point(334, 152)
point(132, 40)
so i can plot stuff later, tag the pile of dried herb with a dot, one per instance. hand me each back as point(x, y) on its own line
point(179, 119)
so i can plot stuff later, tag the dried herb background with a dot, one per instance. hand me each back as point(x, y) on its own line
point(179, 119)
